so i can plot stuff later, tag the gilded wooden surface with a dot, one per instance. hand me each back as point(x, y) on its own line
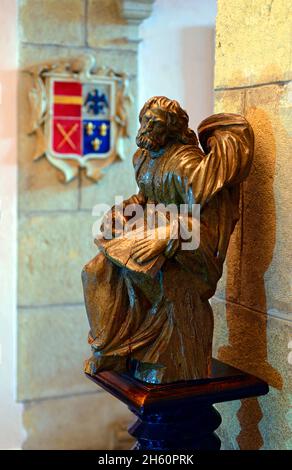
point(147, 296)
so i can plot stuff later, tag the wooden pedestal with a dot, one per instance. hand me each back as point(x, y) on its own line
point(180, 415)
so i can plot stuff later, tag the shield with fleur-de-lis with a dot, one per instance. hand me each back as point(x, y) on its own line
point(84, 119)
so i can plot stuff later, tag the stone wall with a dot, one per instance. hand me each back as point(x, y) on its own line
point(62, 408)
point(253, 77)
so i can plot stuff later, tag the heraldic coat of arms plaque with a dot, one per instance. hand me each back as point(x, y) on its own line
point(79, 115)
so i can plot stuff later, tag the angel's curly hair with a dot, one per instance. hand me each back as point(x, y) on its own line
point(177, 119)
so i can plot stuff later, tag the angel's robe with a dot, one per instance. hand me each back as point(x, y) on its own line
point(161, 328)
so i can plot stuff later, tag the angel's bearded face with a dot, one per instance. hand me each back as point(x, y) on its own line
point(153, 132)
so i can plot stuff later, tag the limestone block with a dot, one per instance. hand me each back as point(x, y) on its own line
point(258, 268)
point(52, 249)
point(268, 196)
point(258, 344)
point(52, 21)
point(51, 350)
point(106, 28)
point(119, 60)
point(84, 422)
point(252, 42)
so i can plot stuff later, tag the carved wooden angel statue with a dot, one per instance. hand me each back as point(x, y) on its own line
point(147, 297)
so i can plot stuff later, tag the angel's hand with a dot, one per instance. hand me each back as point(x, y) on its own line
point(146, 249)
point(152, 245)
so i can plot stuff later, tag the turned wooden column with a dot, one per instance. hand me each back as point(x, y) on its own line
point(180, 415)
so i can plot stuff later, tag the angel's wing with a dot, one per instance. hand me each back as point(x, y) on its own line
point(228, 142)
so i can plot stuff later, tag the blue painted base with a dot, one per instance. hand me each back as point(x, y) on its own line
point(180, 428)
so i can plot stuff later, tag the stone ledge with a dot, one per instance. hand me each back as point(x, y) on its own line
point(135, 11)
point(106, 27)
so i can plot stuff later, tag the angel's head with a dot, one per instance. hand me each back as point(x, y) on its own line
point(163, 121)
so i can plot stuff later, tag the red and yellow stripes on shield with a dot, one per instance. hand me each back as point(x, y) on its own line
point(67, 119)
